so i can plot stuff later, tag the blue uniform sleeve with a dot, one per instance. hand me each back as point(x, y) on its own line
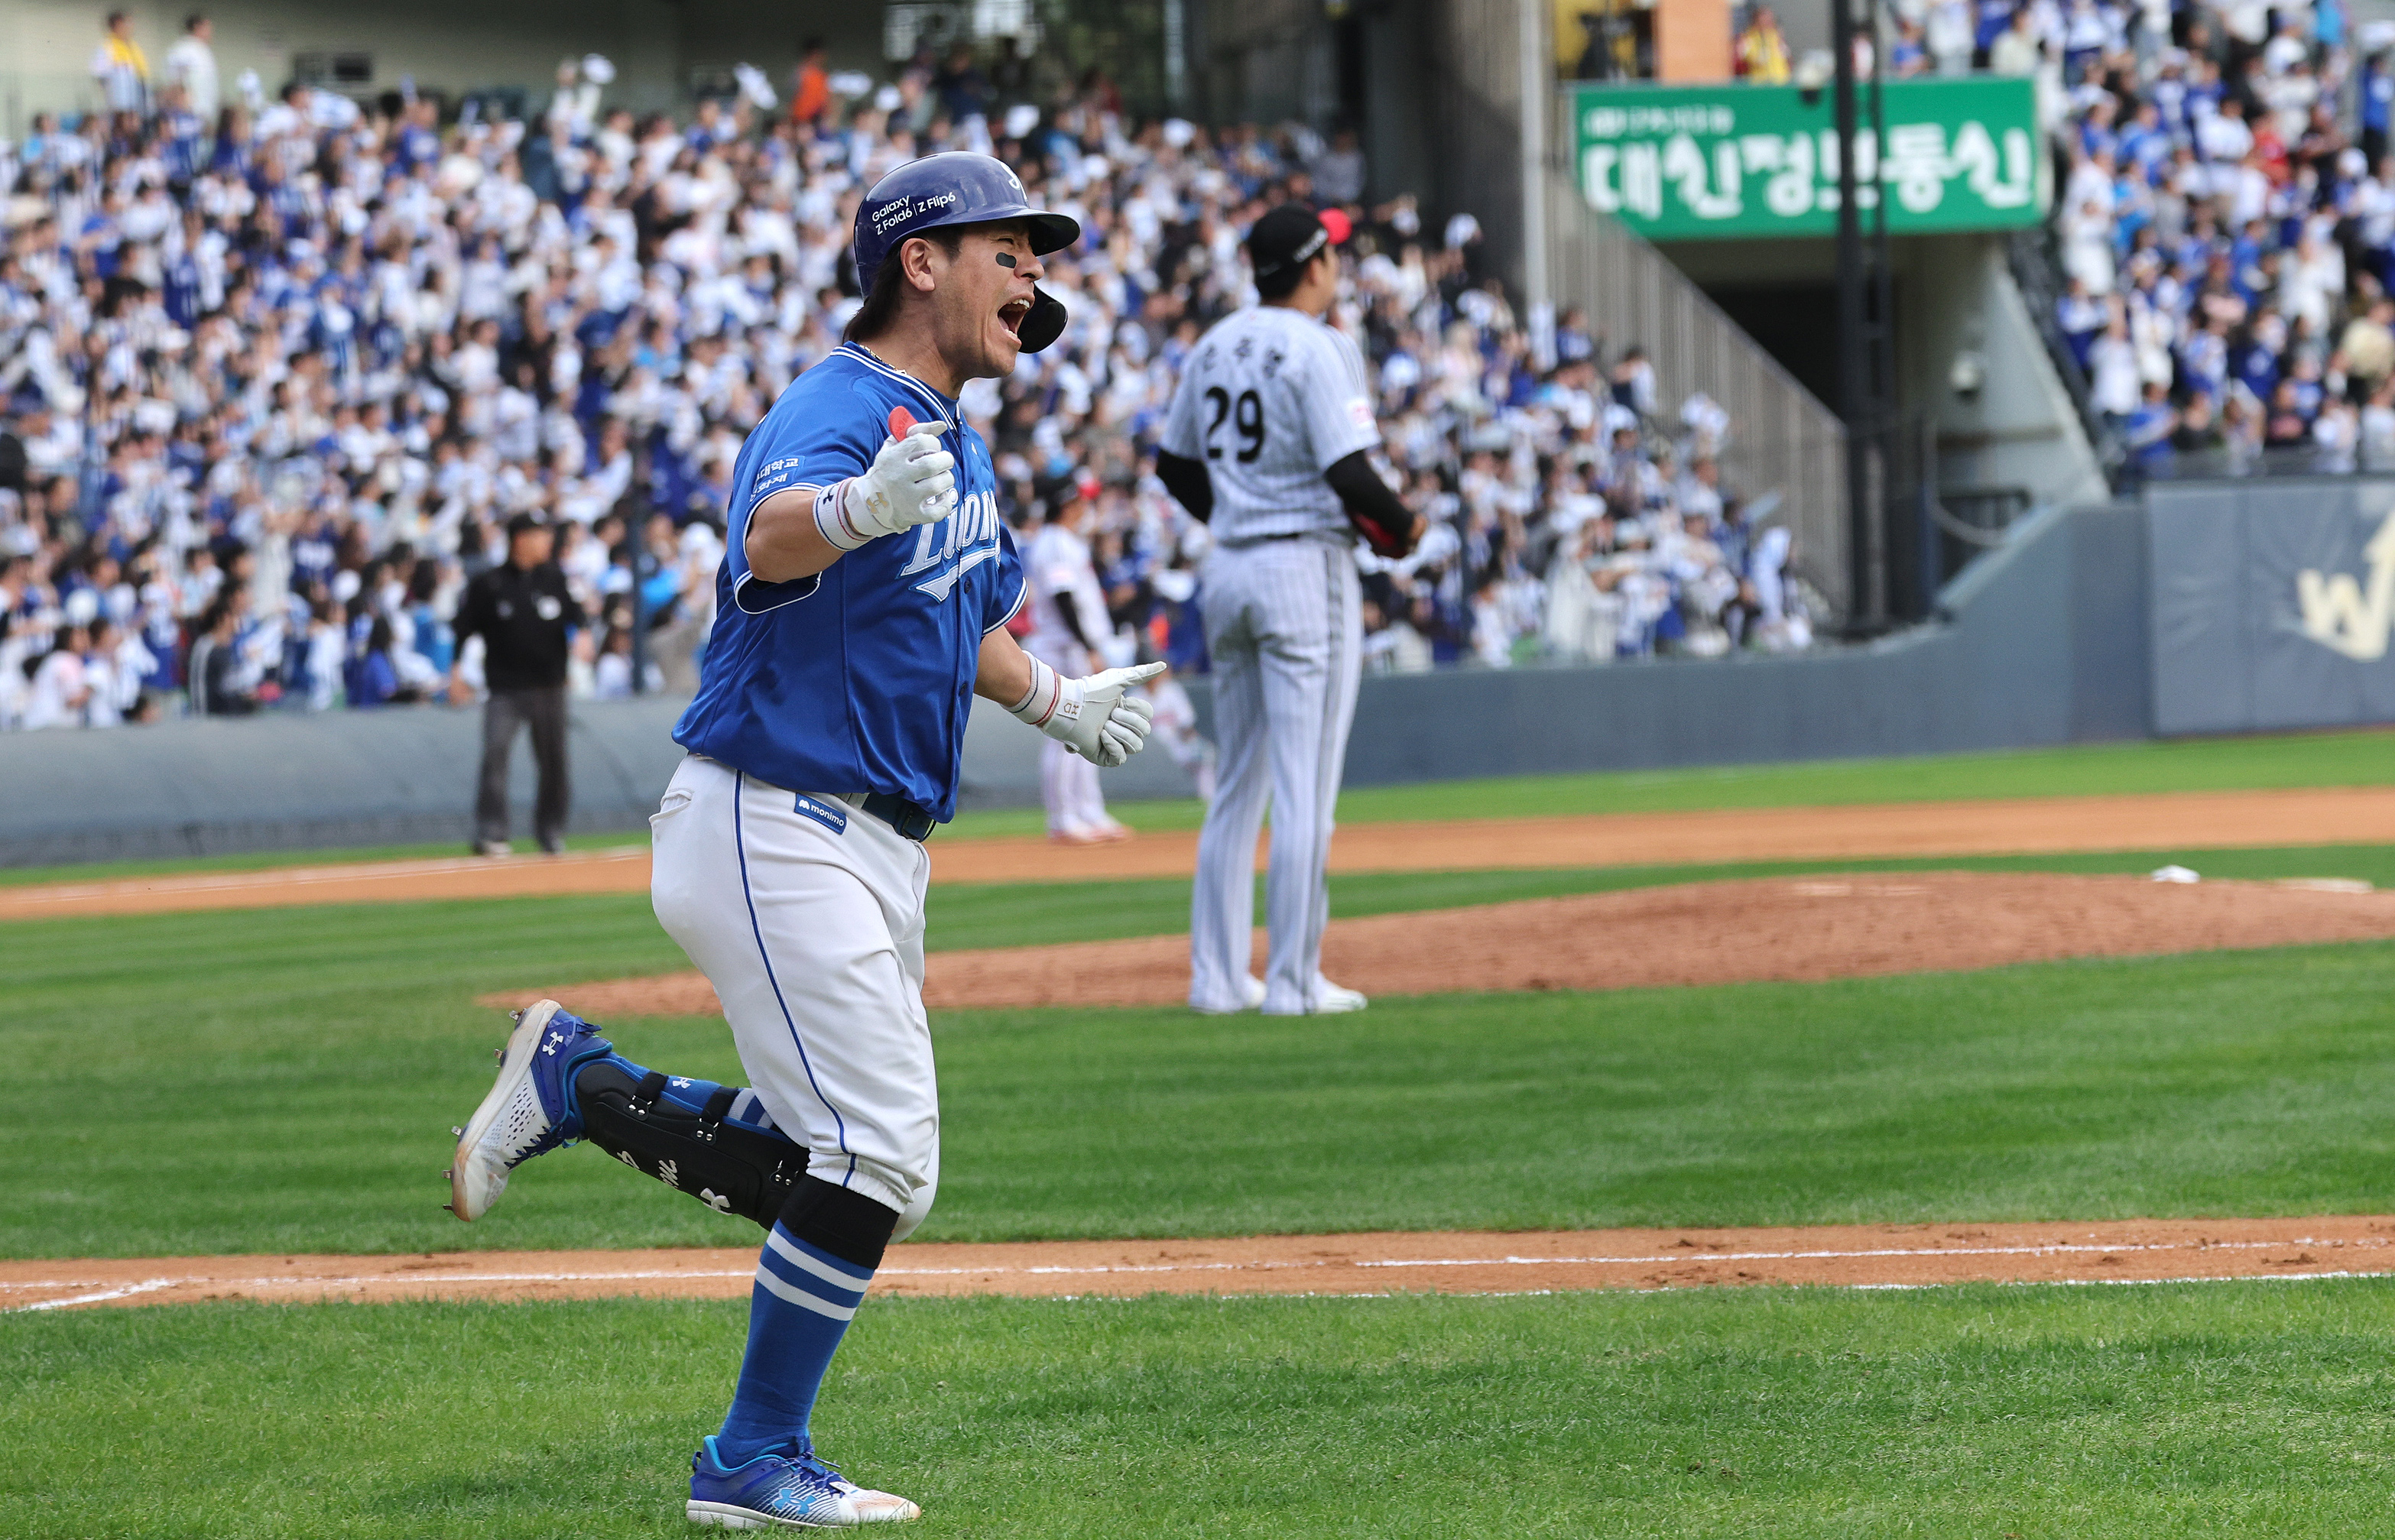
point(1012, 591)
point(803, 444)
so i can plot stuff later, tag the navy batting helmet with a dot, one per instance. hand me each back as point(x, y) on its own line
point(959, 188)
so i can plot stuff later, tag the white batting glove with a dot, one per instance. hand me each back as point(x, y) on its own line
point(911, 481)
point(1091, 715)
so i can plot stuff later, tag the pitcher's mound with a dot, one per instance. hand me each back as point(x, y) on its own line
point(1701, 933)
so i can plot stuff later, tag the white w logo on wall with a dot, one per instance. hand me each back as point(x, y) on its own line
point(2340, 614)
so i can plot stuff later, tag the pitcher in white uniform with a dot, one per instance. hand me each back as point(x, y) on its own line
point(1271, 441)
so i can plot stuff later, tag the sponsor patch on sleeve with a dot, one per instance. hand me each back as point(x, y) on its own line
point(773, 477)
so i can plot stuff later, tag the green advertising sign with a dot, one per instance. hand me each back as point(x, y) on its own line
point(1712, 163)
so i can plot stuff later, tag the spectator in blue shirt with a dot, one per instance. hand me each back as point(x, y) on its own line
point(1995, 17)
point(2082, 318)
point(2150, 428)
point(374, 676)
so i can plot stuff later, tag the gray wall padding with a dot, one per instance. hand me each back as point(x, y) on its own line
point(2231, 652)
point(384, 777)
point(2043, 642)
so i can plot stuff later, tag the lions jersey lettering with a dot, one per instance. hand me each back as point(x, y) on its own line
point(860, 678)
point(968, 536)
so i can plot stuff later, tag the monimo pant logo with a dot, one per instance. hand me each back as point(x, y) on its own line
point(2342, 615)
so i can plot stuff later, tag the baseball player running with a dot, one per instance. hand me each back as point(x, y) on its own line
point(1070, 632)
point(1270, 441)
point(861, 604)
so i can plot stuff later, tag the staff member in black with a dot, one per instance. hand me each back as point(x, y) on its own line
point(523, 612)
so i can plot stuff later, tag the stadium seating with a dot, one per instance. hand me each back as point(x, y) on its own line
point(279, 380)
point(2224, 231)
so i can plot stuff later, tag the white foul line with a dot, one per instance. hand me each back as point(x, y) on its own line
point(411, 1281)
point(1700, 1256)
point(146, 1286)
point(1689, 1255)
point(363, 1281)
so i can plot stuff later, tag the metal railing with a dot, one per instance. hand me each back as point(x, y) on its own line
point(2227, 461)
point(2037, 272)
point(1782, 440)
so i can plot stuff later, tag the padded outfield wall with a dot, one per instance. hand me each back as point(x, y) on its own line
point(2045, 641)
point(2273, 603)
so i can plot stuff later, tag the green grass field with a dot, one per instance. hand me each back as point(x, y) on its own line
point(2188, 765)
point(2058, 1414)
point(284, 1080)
point(270, 861)
point(292, 1075)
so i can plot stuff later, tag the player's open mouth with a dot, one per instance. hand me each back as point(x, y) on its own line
point(1011, 314)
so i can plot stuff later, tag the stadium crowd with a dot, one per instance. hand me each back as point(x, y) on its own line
point(282, 376)
point(2225, 225)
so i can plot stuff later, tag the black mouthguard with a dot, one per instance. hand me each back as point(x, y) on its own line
point(1044, 323)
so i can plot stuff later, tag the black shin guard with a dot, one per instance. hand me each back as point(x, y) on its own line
point(731, 1167)
point(849, 1225)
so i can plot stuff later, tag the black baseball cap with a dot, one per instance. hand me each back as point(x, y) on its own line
point(525, 522)
point(1289, 234)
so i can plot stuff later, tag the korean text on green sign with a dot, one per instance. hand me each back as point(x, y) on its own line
point(1720, 162)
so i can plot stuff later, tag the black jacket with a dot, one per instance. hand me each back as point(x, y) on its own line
point(211, 669)
point(523, 618)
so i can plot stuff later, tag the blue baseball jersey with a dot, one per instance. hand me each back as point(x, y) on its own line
point(860, 678)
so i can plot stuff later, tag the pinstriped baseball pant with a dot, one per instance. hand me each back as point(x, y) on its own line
point(1284, 625)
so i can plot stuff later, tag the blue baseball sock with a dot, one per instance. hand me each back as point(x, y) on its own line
point(797, 1310)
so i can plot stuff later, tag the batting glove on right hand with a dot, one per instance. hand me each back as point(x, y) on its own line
point(1091, 715)
point(911, 481)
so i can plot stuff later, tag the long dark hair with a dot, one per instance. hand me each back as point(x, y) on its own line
point(880, 306)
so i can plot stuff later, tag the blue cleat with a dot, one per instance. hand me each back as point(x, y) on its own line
point(530, 1110)
point(785, 1490)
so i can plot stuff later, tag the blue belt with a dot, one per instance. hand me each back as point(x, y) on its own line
point(909, 821)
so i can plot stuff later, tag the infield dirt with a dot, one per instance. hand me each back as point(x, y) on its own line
point(1846, 1255)
point(2191, 821)
point(1792, 928)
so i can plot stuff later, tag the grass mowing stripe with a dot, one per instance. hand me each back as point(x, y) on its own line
point(2134, 1413)
point(2359, 758)
point(2225, 1084)
point(971, 915)
point(2261, 763)
point(271, 861)
point(284, 1082)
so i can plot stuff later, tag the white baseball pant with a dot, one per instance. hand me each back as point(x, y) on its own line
point(1069, 789)
point(812, 937)
point(1284, 623)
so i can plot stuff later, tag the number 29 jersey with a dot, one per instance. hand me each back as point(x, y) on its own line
point(1269, 400)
